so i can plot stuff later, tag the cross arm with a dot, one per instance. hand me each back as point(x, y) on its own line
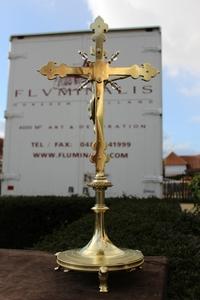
point(146, 71)
point(52, 70)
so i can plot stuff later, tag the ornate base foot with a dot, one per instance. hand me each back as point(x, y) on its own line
point(58, 268)
point(103, 276)
point(66, 270)
point(135, 268)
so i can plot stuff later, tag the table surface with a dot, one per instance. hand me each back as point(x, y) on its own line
point(30, 275)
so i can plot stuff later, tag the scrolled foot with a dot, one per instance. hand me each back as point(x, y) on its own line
point(66, 270)
point(103, 276)
point(58, 268)
point(131, 270)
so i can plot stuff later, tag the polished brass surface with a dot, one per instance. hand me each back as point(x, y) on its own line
point(100, 254)
point(74, 260)
point(99, 71)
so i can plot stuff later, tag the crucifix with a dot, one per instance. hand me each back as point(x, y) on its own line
point(100, 254)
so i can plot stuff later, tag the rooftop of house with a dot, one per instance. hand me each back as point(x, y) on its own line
point(174, 160)
point(192, 162)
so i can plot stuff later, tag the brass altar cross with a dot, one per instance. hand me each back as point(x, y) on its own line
point(98, 73)
point(100, 254)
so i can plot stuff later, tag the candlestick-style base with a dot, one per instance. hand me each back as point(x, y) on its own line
point(75, 260)
point(100, 254)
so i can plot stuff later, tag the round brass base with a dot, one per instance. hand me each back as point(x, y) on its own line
point(75, 260)
point(126, 259)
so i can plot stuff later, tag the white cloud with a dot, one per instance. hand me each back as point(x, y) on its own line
point(195, 119)
point(191, 91)
point(180, 148)
point(47, 4)
point(178, 19)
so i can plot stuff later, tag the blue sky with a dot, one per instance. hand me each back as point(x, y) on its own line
point(180, 41)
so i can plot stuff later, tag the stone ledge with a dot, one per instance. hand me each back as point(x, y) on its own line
point(30, 275)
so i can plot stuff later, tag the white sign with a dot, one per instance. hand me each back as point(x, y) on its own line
point(48, 132)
